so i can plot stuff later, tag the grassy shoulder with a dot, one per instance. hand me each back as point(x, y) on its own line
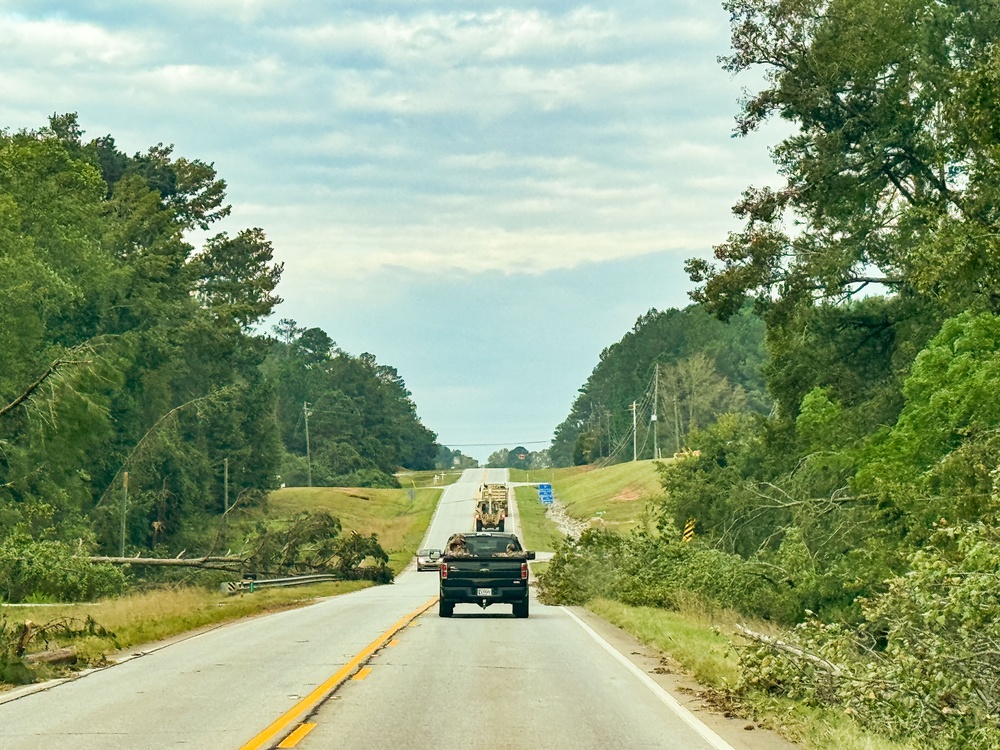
point(399, 517)
point(146, 617)
point(538, 533)
point(433, 478)
point(700, 641)
point(621, 495)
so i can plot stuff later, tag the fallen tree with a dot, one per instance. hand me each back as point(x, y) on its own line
point(309, 543)
point(229, 563)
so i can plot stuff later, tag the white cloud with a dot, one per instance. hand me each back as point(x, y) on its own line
point(67, 44)
point(455, 40)
point(261, 78)
point(450, 39)
point(490, 92)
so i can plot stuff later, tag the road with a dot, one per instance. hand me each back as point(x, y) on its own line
point(379, 668)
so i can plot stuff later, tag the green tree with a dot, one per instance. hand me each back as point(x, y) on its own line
point(599, 423)
point(363, 424)
point(891, 177)
point(129, 350)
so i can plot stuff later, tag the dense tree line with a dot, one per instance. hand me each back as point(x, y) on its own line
point(356, 414)
point(863, 506)
point(132, 360)
point(519, 457)
point(703, 367)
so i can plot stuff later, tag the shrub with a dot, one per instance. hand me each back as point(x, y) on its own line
point(647, 570)
point(53, 570)
point(925, 658)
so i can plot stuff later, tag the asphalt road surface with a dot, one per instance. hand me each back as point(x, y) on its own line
point(379, 669)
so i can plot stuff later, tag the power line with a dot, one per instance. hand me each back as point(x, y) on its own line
point(515, 443)
point(647, 400)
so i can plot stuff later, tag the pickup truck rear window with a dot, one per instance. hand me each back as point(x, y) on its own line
point(484, 546)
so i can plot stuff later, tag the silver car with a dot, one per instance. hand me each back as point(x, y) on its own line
point(428, 559)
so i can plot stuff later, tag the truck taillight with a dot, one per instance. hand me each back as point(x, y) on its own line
point(524, 571)
point(444, 570)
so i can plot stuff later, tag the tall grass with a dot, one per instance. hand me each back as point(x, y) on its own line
point(150, 616)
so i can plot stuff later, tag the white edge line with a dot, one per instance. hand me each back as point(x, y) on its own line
point(689, 718)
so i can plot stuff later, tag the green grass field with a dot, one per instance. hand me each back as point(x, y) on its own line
point(538, 533)
point(622, 495)
point(433, 478)
point(399, 521)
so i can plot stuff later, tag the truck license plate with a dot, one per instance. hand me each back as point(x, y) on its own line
point(485, 592)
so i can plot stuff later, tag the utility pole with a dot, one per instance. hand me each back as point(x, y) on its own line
point(225, 484)
point(309, 468)
point(634, 434)
point(124, 508)
point(656, 404)
point(677, 424)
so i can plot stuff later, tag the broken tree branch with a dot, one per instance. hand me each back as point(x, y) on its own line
point(817, 661)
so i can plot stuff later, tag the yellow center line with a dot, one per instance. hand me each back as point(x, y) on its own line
point(293, 739)
point(322, 691)
point(393, 643)
point(362, 673)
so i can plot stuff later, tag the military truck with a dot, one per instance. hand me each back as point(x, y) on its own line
point(491, 507)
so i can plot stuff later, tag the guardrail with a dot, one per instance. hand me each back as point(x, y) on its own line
point(251, 584)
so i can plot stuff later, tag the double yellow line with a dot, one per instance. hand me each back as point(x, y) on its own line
point(320, 693)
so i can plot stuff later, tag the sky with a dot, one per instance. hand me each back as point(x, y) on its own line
point(482, 195)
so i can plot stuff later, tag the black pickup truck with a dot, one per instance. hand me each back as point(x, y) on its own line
point(484, 568)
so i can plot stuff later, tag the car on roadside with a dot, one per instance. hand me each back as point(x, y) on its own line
point(428, 559)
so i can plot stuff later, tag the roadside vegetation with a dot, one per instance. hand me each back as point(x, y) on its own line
point(538, 532)
point(146, 416)
point(679, 616)
point(179, 602)
point(620, 496)
point(94, 632)
point(843, 484)
point(699, 639)
point(428, 478)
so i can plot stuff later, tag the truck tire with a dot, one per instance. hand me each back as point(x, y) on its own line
point(521, 609)
point(445, 609)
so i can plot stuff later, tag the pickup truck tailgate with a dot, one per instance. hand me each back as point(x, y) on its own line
point(485, 573)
